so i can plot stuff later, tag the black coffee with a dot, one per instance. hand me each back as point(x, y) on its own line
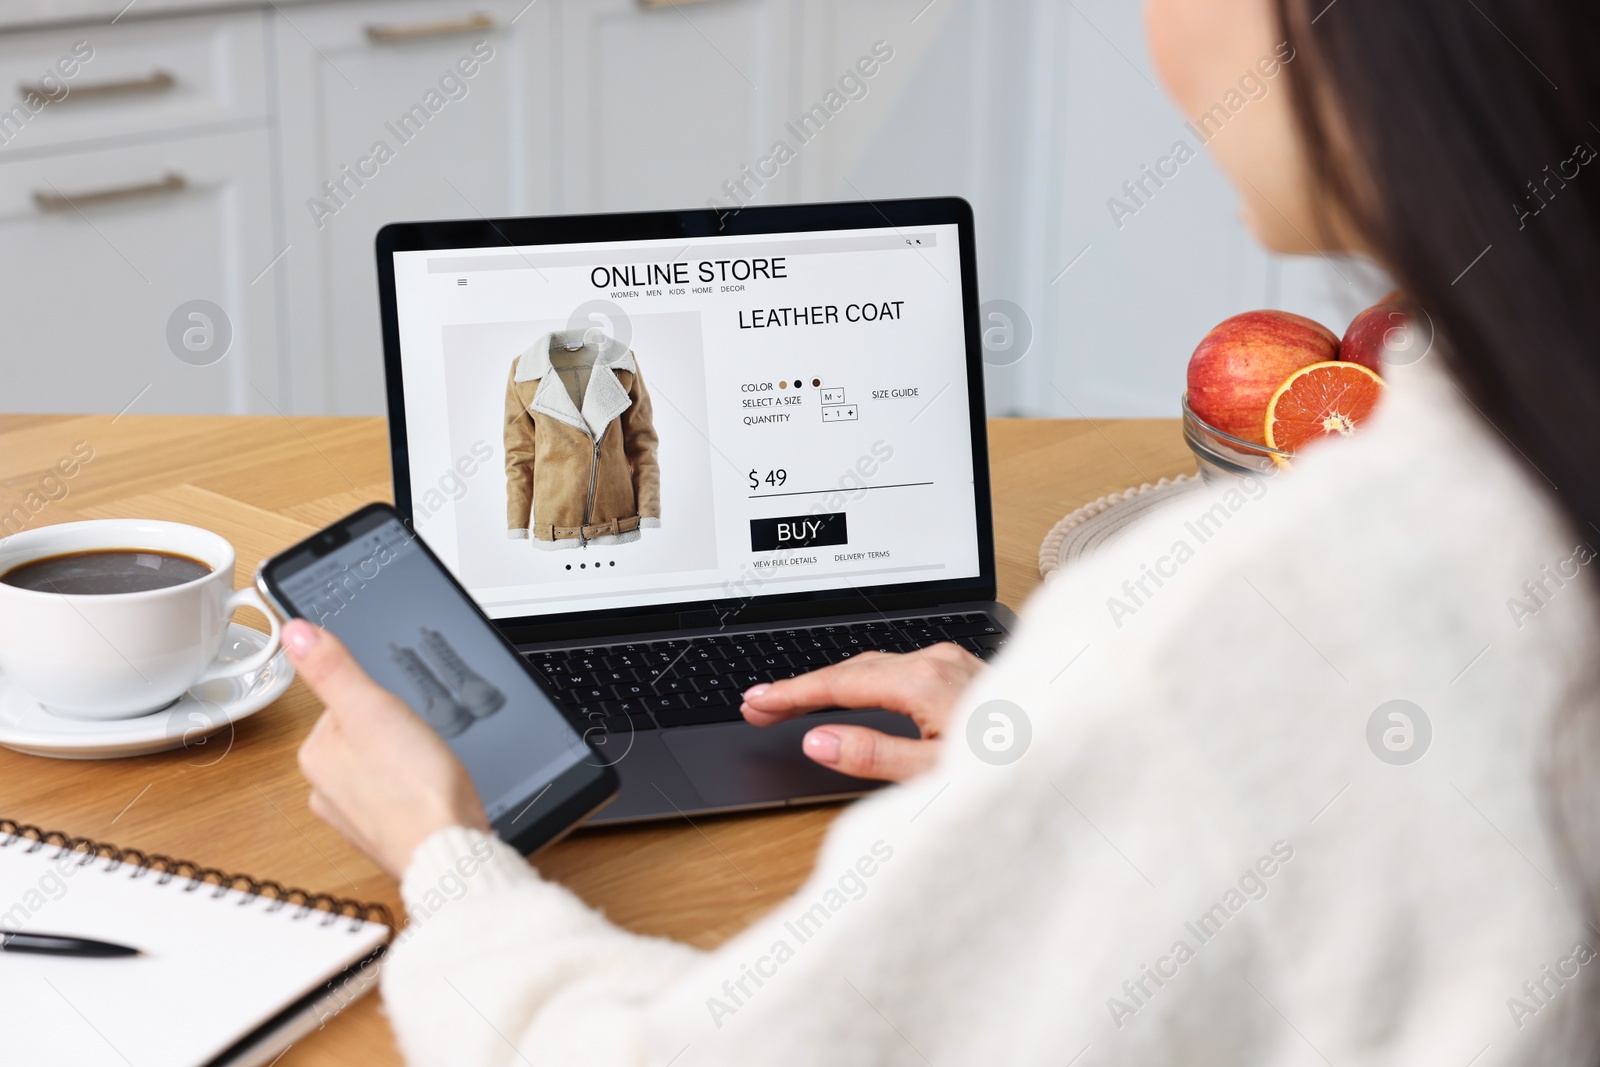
point(121, 570)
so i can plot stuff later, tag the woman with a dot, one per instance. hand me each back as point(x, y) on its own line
point(1225, 843)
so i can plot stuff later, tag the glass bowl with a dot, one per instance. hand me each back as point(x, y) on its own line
point(1224, 455)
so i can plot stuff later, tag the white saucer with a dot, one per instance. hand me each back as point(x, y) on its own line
point(189, 723)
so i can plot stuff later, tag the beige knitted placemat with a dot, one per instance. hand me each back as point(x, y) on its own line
point(1096, 523)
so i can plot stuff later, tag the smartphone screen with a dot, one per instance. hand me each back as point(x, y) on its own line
point(372, 583)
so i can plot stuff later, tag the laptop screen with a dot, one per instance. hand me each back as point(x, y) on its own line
point(627, 425)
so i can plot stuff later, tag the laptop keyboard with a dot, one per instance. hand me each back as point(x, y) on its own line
point(693, 681)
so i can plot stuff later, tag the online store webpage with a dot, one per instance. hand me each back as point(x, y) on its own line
point(631, 424)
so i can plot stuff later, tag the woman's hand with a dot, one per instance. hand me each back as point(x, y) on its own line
point(923, 685)
point(378, 773)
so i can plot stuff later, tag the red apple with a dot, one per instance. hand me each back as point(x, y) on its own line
point(1381, 326)
point(1241, 363)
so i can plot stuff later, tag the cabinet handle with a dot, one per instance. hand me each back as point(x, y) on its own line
point(159, 81)
point(412, 31)
point(171, 182)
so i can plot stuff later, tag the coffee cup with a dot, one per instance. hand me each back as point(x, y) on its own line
point(107, 655)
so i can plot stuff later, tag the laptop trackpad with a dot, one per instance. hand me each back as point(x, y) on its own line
point(735, 764)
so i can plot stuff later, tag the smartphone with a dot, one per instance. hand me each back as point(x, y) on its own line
point(374, 584)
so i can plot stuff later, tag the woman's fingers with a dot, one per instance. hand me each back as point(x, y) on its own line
point(328, 668)
point(378, 773)
point(865, 753)
point(922, 684)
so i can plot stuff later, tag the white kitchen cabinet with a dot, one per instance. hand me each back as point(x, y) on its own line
point(908, 124)
point(135, 175)
point(661, 107)
point(378, 124)
point(587, 105)
point(93, 85)
point(101, 247)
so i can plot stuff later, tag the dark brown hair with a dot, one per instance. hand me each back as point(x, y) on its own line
point(1458, 138)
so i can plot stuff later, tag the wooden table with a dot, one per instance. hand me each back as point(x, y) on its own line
point(266, 482)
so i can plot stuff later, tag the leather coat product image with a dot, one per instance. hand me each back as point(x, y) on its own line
point(580, 444)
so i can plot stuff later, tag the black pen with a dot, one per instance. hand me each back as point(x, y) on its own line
point(57, 945)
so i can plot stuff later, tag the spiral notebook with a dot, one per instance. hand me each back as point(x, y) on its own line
point(234, 972)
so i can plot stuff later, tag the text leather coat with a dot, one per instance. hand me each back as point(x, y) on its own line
point(579, 474)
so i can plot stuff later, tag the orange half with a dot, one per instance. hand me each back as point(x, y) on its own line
point(1321, 400)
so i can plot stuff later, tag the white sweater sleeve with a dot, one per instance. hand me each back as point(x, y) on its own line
point(497, 960)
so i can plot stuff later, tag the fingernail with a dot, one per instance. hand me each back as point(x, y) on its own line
point(756, 690)
point(300, 637)
point(823, 746)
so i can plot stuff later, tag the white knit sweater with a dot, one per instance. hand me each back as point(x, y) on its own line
point(1200, 859)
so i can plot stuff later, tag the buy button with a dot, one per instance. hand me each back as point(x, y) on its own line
point(798, 531)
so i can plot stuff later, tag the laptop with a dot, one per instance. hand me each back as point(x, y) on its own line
point(676, 454)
